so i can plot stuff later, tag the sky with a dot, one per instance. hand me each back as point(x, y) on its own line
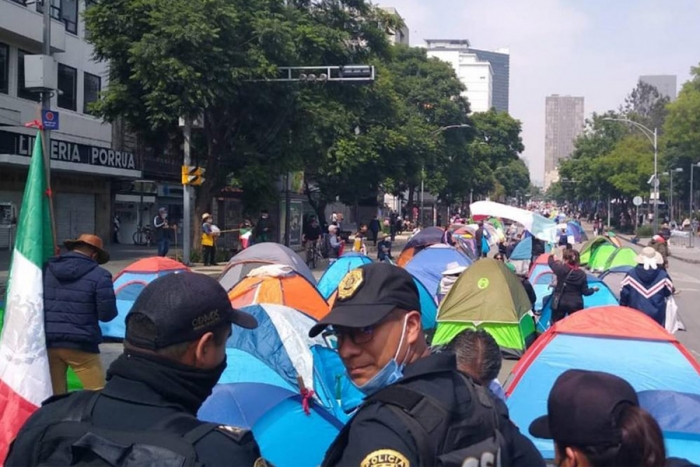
point(591, 48)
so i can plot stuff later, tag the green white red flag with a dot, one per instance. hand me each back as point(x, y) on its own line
point(24, 367)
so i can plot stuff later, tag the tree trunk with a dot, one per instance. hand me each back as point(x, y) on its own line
point(409, 203)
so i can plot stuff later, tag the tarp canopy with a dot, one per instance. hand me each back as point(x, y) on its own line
point(541, 227)
point(614, 339)
point(129, 284)
point(337, 270)
point(262, 254)
point(590, 246)
point(678, 415)
point(286, 435)
point(488, 296)
point(603, 297)
point(428, 265)
point(280, 285)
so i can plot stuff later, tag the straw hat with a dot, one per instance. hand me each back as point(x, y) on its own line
point(206, 216)
point(650, 258)
point(453, 269)
point(332, 227)
point(92, 241)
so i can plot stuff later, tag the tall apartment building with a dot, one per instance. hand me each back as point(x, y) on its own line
point(475, 74)
point(667, 85)
point(399, 36)
point(563, 124)
point(500, 65)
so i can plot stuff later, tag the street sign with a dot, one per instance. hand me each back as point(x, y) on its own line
point(49, 119)
point(637, 200)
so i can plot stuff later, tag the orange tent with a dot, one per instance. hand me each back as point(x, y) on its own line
point(282, 286)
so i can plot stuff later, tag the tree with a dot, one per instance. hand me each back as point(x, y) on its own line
point(514, 177)
point(646, 104)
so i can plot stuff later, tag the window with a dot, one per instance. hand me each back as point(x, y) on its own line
point(21, 90)
point(4, 68)
point(69, 14)
point(67, 87)
point(55, 8)
point(92, 87)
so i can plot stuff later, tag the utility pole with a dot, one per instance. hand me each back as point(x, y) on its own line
point(186, 195)
point(46, 94)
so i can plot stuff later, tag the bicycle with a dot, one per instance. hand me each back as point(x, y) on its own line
point(312, 253)
point(143, 236)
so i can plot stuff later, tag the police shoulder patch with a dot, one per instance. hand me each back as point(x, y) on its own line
point(350, 284)
point(385, 458)
point(260, 462)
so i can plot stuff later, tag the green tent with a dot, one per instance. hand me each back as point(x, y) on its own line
point(488, 296)
point(590, 246)
point(624, 256)
point(600, 256)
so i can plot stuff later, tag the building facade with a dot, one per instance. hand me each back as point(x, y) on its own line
point(86, 164)
point(563, 124)
point(475, 74)
point(667, 85)
point(500, 65)
point(399, 36)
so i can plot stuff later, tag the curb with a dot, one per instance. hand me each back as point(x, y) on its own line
point(684, 260)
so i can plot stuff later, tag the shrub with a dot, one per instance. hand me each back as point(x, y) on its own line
point(645, 231)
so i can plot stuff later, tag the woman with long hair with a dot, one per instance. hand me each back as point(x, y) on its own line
point(572, 285)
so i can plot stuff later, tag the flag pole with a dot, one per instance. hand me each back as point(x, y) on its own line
point(47, 176)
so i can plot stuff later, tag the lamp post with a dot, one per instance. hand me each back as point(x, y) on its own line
point(422, 170)
point(690, 203)
point(670, 196)
point(652, 135)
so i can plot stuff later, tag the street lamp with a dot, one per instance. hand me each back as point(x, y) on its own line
point(690, 203)
point(670, 196)
point(422, 170)
point(652, 136)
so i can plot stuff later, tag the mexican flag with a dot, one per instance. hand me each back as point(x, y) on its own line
point(24, 366)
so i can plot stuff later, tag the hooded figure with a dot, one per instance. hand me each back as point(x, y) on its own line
point(646, 287)
point(449, 277)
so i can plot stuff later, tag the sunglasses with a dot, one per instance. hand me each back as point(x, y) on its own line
point(357, 336)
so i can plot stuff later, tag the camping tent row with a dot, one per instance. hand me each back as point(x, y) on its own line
point(604, 253)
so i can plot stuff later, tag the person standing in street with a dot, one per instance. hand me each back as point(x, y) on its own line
point(572, 285)
point(78, 294)
point(374, 228)
point(164, 231)
point(209, 236)
point(413, 398)
point(333, 245)
point(174, 354)
point(647, 287)
point(479, 241)
point(264, 227)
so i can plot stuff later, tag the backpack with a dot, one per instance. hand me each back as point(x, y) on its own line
point(74, 440)
point(444, 436)
point(325, 246)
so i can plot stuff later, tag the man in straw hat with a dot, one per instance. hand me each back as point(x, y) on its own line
point(209, 234)
point(77, 295)
point(647, 286)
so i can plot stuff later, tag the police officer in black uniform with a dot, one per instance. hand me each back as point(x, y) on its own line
point(174, 354)
point(419, 409)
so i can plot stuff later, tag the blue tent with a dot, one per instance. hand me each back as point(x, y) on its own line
point(337, 270)
point(428, 265)
point(604, 296)
point(522, 251)
point(286, 434)
point(129, 284)
point(428, 306)
point(678, 415)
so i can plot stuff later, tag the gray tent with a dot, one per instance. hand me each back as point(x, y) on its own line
point(262, 254)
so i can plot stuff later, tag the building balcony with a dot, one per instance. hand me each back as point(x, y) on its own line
point(25, 26)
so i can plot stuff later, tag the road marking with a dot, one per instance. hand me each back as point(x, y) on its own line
point(696, 354)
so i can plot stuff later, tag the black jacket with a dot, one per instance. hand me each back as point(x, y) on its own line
point(529, 289)
point(376, 427)
point(576, 285)
point(77, 295)
point(127, 405)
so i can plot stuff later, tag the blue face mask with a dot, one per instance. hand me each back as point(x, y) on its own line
point(391, 373)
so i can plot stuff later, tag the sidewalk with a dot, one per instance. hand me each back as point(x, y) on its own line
point(123, 255)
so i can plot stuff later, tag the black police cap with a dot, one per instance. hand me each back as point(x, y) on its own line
point(183, 307)
point(369, 293)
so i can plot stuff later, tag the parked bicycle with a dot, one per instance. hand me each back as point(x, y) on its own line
point(143, 236)
point(313, 253)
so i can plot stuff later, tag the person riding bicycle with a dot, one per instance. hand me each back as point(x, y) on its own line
point(312, 231)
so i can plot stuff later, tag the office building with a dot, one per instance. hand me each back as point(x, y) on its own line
point(666, 84)
point(400, 36)
point(563, 124)
point(500, 65)
point(475, 74)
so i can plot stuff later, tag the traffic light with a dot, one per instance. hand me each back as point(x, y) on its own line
point(192, 175)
